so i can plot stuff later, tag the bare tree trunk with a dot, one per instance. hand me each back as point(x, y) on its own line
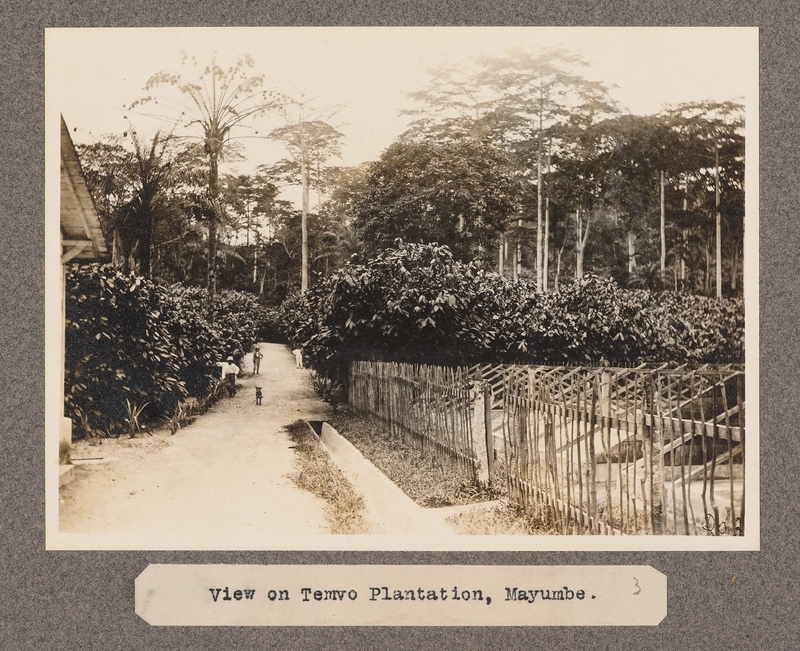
point(631, 251)
point(213, 194)
point(546, 251)
point(683, 274)
point(685, 237)
point(319, 189)
point(304, 227)
point(546, 259)
point(718, 220)
point(501, 255)
point(663, 232)
point(582, 237)
point(708, 263)
point(255, 261)
point(539, 266)
point(558, 268)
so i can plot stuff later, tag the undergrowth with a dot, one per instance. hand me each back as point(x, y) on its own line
point(316, 473)
point(427, 481)
point(501, 519)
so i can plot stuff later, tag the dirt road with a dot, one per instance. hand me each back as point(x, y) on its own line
point(221, 481)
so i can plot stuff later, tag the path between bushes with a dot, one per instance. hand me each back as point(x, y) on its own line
point(223, 480)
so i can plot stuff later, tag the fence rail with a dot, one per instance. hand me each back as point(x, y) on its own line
point(597, 451)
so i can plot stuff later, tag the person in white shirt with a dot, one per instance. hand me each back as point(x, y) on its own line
point(229, 373)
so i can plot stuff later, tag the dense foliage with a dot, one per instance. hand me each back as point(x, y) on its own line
point(132, 343)
point(417, 304)
point(459, 193)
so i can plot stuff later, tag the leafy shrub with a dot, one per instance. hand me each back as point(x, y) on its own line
point(119, 349)
point(417, 304)
point(269, 327)
point(131, 342)
point(410, 304)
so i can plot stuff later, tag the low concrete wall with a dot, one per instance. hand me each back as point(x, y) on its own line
point(385, 500)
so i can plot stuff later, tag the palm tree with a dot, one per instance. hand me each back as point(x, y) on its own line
point(216, 100)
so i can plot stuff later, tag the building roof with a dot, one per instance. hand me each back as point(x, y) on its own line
point(81, 233)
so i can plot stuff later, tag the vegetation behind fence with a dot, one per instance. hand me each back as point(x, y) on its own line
point(418, 305)
point(591, 450)
point(428, 406)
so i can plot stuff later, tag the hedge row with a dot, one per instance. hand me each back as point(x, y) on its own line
point(129, 341)
point(417, 304)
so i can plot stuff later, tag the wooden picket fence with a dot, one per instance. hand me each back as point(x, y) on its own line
point(430, 407)
point(592, 451)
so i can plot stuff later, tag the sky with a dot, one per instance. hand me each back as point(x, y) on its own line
point(92, 74)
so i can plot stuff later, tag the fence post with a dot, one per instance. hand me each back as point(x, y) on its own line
point(654, 457)
point(479, 434)
point(487, 422)
point(657, 495)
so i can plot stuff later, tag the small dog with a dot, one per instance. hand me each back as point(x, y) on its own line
point(259, 395)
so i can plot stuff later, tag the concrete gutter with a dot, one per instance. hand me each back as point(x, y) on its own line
point(384, 499)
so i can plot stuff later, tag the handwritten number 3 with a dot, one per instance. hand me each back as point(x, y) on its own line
point(638, 588)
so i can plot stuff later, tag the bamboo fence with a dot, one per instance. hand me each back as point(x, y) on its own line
point(429, 407)
point(596, 451)
point(624, 451)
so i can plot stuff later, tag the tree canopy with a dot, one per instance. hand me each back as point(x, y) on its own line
point(460, 193)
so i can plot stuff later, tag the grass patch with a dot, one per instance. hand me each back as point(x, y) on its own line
point(499, 520)
point(428, 482)
point(316, 473)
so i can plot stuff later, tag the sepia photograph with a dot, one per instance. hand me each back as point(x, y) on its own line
point(402, 288)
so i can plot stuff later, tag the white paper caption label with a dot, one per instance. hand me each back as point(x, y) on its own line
point(401, 595)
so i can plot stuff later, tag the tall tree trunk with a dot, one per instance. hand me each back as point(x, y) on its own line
point(582, 237)
point(319, 189)
point(546, 252)
point(631, 251)
point(558, 268)
point(213, 194)
point(546, 257)
point(578, 237)
point(539, 267)
point(663, 232)
point(683, 275)
point(304, 227)
point(501, 258)
point(718, 220)
point(146, 245)
point(559, 257)
point(708, 263)
point(255, 260)
point(685, 238)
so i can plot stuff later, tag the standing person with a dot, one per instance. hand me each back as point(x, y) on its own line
point(229, 373)
point(256, 360)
